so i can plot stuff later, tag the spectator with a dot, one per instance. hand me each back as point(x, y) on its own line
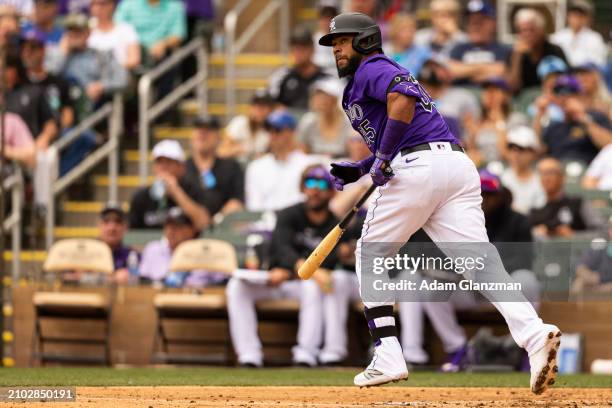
point(150, 205)
point(503, 226)
point(29, 102)
point(24, 8)
point(18, 141)
point(67, 7)
point(9, 29)
point(221, 179)
point(596, 94)
point(160, 25)
point(486, 139)
point(444, 32)
point(272, 181)
point(562, 215)
point(594, 272)
point(520, 178)
point(299, 228)
point(245, 136)
point(322, 57)
point(530, 47)
point(290, 86)
point(544, 110)
point(45, 20)
point(582, 133)
point(116, 37)
point(599, 174)
point(579, 42)
point(325, 129)
point(99, 74)
point(402, 48)
point(113, 227)
point(61, 96)
point(156, 256)
point(481, 57)
point(457, 105)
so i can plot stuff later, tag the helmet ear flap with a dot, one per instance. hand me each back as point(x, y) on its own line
point(368, 40)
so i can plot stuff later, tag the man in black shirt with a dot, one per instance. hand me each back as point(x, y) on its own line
point(29, 101)
point(594, 272)
point(562, 215)
point(299, 229)
point(530, 48)
point(150, 205)
point(291, 86)
point(221, 179)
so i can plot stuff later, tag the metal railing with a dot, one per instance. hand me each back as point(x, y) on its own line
point(112, 112)
point(12, 223)
point(233, 45)
point(148, 111)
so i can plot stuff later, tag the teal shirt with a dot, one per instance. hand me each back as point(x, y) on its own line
point(153, 23)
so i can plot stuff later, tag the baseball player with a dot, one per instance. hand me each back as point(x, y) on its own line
point(433, 185)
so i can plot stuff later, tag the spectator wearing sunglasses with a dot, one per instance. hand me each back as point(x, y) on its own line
point(582, 133)
point(520, 178)
point(299, 229)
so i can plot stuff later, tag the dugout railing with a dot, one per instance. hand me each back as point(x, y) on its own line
point(14, 185)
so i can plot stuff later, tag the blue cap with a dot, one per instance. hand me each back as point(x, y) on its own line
point(497, 82)
point(551, 64)
point(280, 120)
point(34, 35)
point(479, 6)
point(567, 85)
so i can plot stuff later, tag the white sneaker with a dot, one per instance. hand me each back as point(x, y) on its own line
point(388, 365)
point(544, 362)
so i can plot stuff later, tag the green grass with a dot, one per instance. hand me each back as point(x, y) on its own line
point(278, 376)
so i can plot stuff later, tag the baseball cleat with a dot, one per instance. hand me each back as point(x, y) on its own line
point(371, 377)
point(544, 363)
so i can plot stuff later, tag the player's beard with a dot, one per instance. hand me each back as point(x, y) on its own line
point(351, 67)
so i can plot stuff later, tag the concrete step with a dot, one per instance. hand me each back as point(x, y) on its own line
point(76, 232)
point(127, 185)
point(83, 213)
point(248, 65)
point(189, 109)
point(31, 264)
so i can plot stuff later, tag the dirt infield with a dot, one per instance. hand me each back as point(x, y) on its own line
point(188, 397)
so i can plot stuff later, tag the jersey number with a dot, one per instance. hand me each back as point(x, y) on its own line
point(367, 131)
point(425, 99)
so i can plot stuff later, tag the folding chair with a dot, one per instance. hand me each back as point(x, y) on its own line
point(198, 254)
point(86, 255)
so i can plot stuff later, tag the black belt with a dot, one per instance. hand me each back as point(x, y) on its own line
point(427, 146)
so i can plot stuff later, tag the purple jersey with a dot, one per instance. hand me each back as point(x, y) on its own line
point(365, 103)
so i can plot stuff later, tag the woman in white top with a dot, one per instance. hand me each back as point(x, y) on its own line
point(325, 130)
point(119, 38)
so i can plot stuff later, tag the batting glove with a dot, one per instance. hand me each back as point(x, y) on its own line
point(381, 171)
point(349, 172)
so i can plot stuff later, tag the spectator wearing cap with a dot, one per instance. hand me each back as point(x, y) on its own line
point(325, 129)
point(402, 48)
point(481, 56)
point(28, 101)
point(221, 178)
point(530, 47)
point(150, 205)
point(599, 173)
point(119, 38)
point(544, 109)
point(486, 140)
point(161, 25)
point(520, 178)
point(272, 181)
point(156, 256)
point(45, 19)
point(322, 57)
point(299, 228)
point(562, 215)
point(245, 135)
point(582, 133)
point(457, 105)
point(290, 85)
point(113, 226)
point(580, 43)
point(97, 73)
point(595, 92)
point(594, 272)
point(445, 31)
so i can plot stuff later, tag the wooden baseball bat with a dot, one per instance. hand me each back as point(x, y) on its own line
point(327, 244)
